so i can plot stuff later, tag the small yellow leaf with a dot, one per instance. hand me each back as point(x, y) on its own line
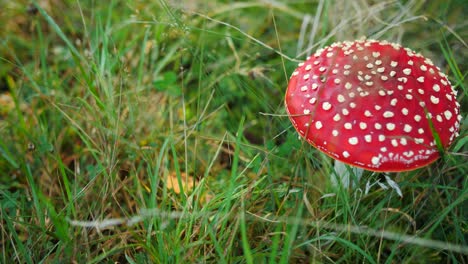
point(146, 187)
point(188, 182)
point(6, 103)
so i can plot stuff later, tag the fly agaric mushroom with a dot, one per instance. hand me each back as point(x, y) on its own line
point(374, 105)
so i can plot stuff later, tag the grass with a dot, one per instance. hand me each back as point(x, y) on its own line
point(155, 132)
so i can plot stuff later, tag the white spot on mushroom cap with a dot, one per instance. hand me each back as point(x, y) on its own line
point(407, 128)
point(326, 106)
point(340, 98)
point(419, 140)
point(346, 154)
point(353, 140)
point(403, 141)
point(448, 114)
point(318, 125)
point(388, 114)
point(337, 117)
point(375, 160)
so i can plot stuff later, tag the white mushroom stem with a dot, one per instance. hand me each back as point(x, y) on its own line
point(349, 176)
point(393, 185)
point(345, 174)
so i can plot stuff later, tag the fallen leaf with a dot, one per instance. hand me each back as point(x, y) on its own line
point(6, 103)
point(188, 182)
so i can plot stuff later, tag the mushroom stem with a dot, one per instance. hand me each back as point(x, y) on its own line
point(348, 176)
point(391, 184)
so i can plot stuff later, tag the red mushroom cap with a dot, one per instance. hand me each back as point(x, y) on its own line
point(372, 104)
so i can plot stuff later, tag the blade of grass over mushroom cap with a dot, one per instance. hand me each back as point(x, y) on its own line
point(363, 103)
